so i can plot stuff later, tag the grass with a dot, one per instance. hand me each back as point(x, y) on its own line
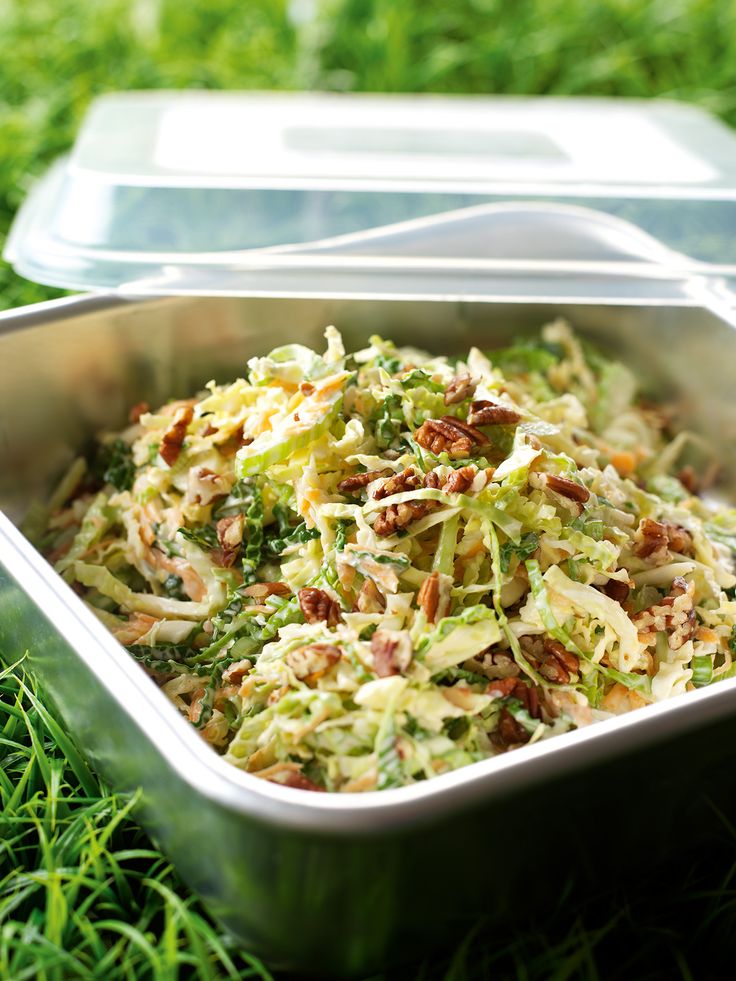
point(84, 894)
point(83, 891)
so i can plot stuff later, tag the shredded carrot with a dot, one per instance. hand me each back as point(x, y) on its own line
point(624, 462)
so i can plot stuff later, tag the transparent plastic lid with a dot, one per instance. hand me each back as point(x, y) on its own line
point(243, 193)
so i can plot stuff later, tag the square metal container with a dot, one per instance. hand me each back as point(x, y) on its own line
point(339, 885)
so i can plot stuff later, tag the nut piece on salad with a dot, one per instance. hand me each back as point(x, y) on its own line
point(317, 606)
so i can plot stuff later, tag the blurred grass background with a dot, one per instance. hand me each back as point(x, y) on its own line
point(83, 893)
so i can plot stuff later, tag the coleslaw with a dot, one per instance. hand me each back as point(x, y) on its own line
point(355, 571)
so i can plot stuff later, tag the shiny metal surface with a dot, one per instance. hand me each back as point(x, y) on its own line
point(338, 884)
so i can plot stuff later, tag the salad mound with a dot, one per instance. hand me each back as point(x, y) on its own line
point(354, 572)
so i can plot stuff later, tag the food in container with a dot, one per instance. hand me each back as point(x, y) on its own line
point(341, 883)
point(359, 571)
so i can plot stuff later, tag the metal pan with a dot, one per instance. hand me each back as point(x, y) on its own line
point(339, 885)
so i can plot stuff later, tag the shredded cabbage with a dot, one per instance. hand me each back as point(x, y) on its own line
point(327, 630)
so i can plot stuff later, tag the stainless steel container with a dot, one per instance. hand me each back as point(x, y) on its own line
point(338, 885)
point(442, 223)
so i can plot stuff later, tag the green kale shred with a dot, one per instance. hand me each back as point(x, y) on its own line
point(526, 547)
point(114, 465)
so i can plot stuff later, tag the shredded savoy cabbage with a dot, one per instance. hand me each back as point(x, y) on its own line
point(354, 572)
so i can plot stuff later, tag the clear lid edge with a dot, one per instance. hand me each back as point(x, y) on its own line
point(101, 221)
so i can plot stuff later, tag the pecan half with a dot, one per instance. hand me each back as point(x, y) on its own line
point(689, 479)
point(138, 410)
point(617, 590)
point(679, 538)
point(501, 687)
point(650, 538)
point(486, 413)
point(559, 665)
point(370, 599)
point(230, 537)
point(529, 698)
point(516, 688)
point(434, 596)
point(449, 435)
point(567, 488)
point(428, 596)
point(392, 652)
point(318, 605)
point(359, 480)
point(398, 516)
point(553, 661)
point(509, 732)
point(460, 480)
point(407, 480)
point(173, 439)
point(311, 662)
point(460, 388)
point(432, 479)
point(654, 538)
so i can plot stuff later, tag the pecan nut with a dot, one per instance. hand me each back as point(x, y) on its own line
point(617, 590)
point(559, 664)
point(398, 516)
point(487, 413)
point(359, 480)
point(508, 732)
point(567, 488)
point(311, 662)
point(230, 537)
point(460, 480)
point(689, 479)
point(370, 599)
point(392, 652)
point(550, 658)
point(527, 694)
point(501, 687)
point(461, 387)
point(650, 540)
point(138, 410)
point(407, 480)
point(654, 538)
point(679, 538)
point(449, 435)
point(173, 439)
point(317, 605)
point(434, 596)
point(529, 698)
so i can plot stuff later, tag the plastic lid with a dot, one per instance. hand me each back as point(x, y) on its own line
point(243, 193)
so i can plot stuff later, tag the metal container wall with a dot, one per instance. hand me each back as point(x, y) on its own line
point(336, 885)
